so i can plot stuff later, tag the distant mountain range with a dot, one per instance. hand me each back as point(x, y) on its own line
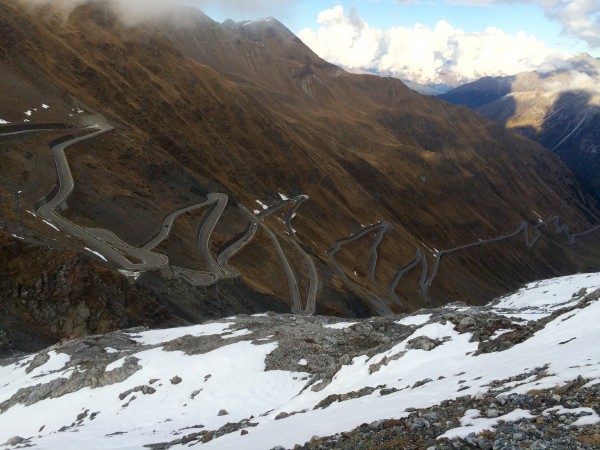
point(330, 192)
point(560, 109)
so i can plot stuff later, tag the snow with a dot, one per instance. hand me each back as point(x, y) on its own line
point(32, 213)
point(115, 365)
point(156, 337)
point(340, 325)
point(3, 122)
point(262, 205)
point(471, 423)
point(160, 417)
point(256, 211)
point(241, 396)
point(237, 333)
point(99, 255)
point(14, 377)
point(18, 237)
point(283, 197)
point(588, 416)
point(415, 320)
point(427, 247)
point(587, 420)
point(541, 299)
point(45, 106)
point(56, 362)
point(499, 333)
point(50, 224)
point(130, 274)
point(28, 113)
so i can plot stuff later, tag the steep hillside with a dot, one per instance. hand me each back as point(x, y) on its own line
point(522, 372)
point(411, 201)
point(560, 109)
point(50, 293)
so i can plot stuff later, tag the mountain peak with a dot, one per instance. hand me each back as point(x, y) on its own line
point(261, 29)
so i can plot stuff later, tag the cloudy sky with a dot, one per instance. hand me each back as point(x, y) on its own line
point(435, 41)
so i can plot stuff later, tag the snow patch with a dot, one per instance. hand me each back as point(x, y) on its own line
point(50, 224)
point(130, 274)
point(262, 205)
point(115, 365)
point(419, 319)
point(540, 299)
point(99, 255)
point(340, 325)
point(472, 423)
point(155, 337)
point(237, 333)
point(56, 362)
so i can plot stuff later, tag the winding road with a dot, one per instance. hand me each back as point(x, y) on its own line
point(113, 248)
point(383, 228)
point(426, 279)
point(313, 280)
point(119, 252)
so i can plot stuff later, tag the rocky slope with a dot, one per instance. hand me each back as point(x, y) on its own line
point(521, 372)
point(559, 109)
point(48, 294)
point(246, 109)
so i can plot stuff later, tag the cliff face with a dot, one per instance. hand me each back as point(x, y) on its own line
point(48, 294)
point(248, 110)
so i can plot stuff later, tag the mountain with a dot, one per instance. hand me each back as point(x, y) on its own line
point(427, 89)
point(214, 158)
point(521, 372)
point(560, 109)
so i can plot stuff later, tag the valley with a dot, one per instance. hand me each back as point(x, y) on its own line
point(211, 236)
point(302, 182)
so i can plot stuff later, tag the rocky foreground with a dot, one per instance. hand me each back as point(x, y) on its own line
point(522, 372)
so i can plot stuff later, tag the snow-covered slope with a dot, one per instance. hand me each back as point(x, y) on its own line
point(257, 382)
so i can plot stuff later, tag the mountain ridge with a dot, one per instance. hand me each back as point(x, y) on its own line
point(363, 148)
point(559, 109)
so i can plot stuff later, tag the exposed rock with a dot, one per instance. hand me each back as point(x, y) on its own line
point(423, 343)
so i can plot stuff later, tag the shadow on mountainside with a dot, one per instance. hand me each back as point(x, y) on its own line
point(571, 129)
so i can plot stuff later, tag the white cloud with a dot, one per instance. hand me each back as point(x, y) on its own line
point(133, 11)
point(579, 18)
point(419, 53)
